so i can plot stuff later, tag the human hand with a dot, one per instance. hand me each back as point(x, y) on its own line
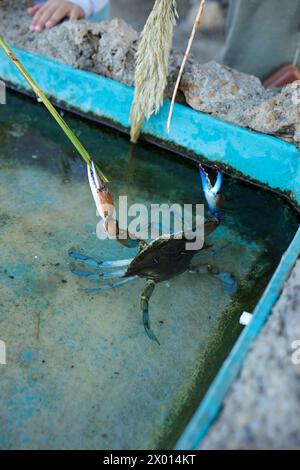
point(47, 15)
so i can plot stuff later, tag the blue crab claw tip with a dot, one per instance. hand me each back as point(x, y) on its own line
point(218, 184)
point(204, 178)
point(211, 192)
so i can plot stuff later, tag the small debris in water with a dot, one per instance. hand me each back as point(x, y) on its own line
point(64, 281)
point(16, 131)
point(34, 157)
point(245, 318)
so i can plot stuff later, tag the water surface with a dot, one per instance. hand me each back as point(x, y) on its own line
point(81, 373)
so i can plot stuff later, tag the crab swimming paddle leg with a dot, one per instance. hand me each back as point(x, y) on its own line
point(228, 282)
point(95, 263)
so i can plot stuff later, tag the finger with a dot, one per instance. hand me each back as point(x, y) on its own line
point(32, 10)
point(44, 18)
point(38, 14)
point(57, 16)
point(76, 13)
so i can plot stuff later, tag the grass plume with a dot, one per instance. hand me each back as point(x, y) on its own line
point(152, 61)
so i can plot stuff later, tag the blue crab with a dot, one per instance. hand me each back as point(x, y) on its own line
point(160, 260)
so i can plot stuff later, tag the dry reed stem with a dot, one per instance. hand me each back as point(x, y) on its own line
point(196, 26)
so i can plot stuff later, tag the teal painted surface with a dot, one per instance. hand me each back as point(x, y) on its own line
point(261, 157)
point(46, 316)
point(210, 406)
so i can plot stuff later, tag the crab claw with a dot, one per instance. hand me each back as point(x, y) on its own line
point(106, 209)
point(212, 193)
point(100, 192)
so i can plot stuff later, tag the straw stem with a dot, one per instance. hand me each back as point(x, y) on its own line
point(196, 26)
point(69, 133)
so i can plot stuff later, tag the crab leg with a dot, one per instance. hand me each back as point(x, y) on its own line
point(158, 227)
point(145, 297)
point(200, 268)
point(163, 230)
point(180, 217)
point(110, 286)
point(108, 275)
point(228, 282)
point(226, 279)
point(103, 264)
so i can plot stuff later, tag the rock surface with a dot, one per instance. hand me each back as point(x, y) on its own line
point(241, 99)
point(109, 47)
point(116, 51)
point(262, 411)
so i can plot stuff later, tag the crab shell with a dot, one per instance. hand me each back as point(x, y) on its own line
point(166, 256)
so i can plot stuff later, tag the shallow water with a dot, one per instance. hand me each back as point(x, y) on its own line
point(81, 373)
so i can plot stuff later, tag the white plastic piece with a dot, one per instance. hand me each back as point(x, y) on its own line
point(246, 318)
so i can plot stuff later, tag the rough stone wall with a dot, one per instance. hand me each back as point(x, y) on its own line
point(241, 99)
point(109, 48)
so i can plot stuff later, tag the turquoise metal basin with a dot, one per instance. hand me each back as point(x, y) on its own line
point(259, 158)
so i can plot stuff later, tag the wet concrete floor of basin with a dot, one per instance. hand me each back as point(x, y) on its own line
point(81, 372)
